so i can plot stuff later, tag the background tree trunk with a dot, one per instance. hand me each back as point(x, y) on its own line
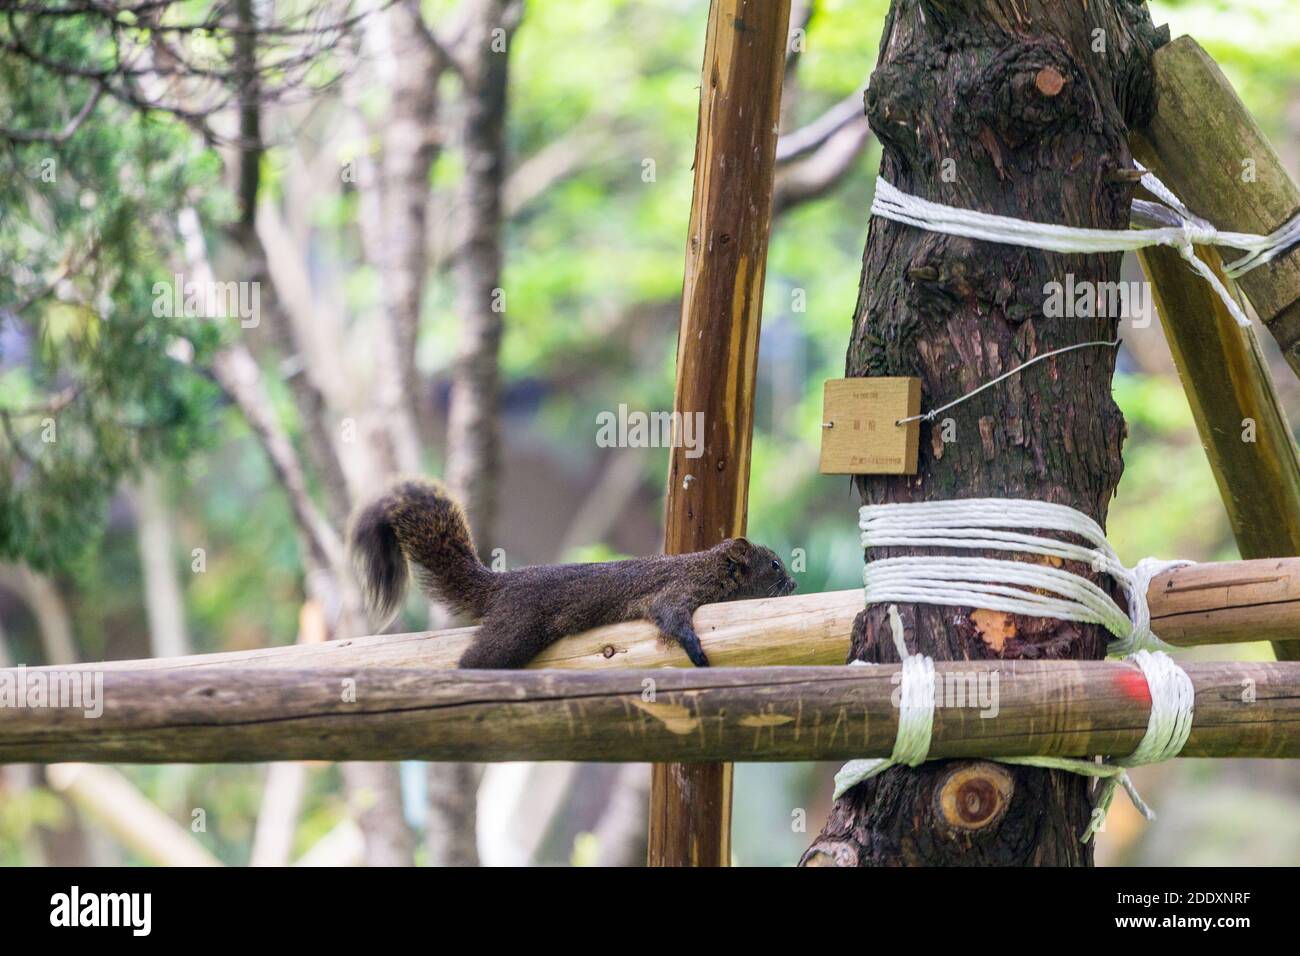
point(373, 790)
point(396, 195)
point(473, 418)
point(164, 599)
point(473, 436)
point(1016, 107)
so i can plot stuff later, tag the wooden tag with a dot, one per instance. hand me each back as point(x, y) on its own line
point(859, 436)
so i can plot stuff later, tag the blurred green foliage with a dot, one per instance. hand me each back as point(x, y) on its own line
point(90, 382)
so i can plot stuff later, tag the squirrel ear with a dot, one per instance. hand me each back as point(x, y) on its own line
point(738, 551)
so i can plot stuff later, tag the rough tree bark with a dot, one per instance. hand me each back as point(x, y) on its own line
point(1030, 101)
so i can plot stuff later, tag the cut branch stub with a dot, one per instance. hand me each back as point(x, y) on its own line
point(970, 797)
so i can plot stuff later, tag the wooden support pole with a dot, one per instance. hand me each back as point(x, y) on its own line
point(1238, 414)
point(1240, 420)
point(986, 708)
point(1207, 148)
point(1232, 601)
point(717, 355)
point(1212, 603)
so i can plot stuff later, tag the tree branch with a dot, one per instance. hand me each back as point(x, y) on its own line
point(61, 136)
point(818, 173)
point(807, 138)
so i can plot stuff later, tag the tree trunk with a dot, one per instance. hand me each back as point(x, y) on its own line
point(374, 794)
point(409, 69)
point(473, 419)
point(156, 537)
point(1016, 107)
point(473, 436)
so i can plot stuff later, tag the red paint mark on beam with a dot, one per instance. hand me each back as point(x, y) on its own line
point(1134, 685)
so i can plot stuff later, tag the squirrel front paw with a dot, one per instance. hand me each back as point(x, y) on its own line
point(674, 622)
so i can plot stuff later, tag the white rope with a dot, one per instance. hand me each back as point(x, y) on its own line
point(1168, 726)
point(1187, 229)
point(1173, 699)
point(915, 716)
point(1014, 587)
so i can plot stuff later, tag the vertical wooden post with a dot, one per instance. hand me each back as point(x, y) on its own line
point(717, 356)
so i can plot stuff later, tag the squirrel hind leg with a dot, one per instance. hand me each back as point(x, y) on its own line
point(505, 645)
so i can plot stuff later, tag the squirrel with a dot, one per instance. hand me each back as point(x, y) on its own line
point(525, 610)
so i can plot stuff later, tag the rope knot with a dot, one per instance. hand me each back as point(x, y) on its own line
point(1199, 232)
point(1017, 587)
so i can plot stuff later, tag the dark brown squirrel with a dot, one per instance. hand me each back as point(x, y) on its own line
point(525, 610)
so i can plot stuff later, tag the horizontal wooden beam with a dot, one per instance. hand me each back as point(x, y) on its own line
point(1213, 603)
point(803, 629)
point(987, 708)
point(1227, 602)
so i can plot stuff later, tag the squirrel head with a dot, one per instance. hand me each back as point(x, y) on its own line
point(754, 570)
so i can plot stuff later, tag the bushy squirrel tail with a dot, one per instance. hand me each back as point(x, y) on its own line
point(417, 521)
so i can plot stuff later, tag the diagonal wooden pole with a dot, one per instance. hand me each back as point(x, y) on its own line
point(717, 356)
point(1205, 146)
point(1240, 420)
